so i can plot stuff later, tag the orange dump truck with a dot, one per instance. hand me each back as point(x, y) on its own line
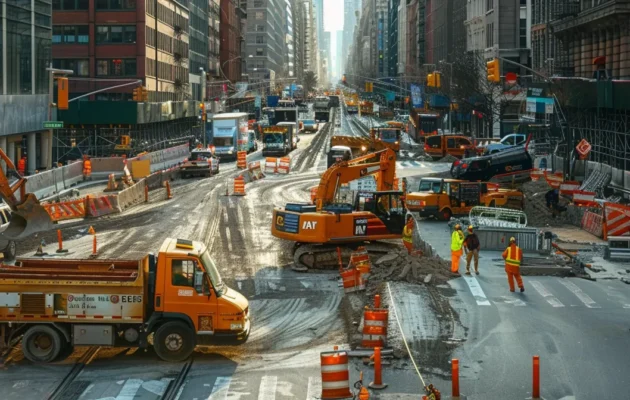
point(177, 296)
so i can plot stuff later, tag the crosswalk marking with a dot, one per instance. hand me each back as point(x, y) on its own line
point(514, 301)
point(314, 390)
point(477, 291)
point(220, 388)
point(129, 390)
point(584, 298)
point(267, 389)
point(546, 294)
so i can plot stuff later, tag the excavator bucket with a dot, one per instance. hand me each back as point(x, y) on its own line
point(28, 218)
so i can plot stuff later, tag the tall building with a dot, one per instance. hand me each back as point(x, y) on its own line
point(199, 45)
point(214, 89)
point(289, 40)
point(25, 53)
point(230, 50)
point(336, 75)
point(265, 40)
point(394, 36)
point(350, 10)
point(298, 39)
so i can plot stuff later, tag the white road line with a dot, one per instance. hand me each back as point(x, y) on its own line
point(477, 291)
point(514, 301)
point(314, 390)
point(85, 392)
point(229, 238)
point(551, 299)
point(225, 215)
point(584, 298)
point(130, 389)
point(220, 388)
point(267, 389)
point(240, 217)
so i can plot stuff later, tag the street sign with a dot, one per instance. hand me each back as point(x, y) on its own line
point(583, 148)
point(511, 78)
point(53, 124)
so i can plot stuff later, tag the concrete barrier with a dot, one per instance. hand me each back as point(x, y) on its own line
point(132, 196)
point(98, 206)
point(497, 239)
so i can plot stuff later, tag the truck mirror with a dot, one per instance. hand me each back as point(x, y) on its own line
point(199, 275)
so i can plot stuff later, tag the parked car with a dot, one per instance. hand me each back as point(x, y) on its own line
point(483, 168)
point(311, 125)
point(509, 141)
point(8, 247)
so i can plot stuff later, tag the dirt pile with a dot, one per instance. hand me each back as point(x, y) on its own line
point(538, 215)
point(399, 266)
point(448, 158)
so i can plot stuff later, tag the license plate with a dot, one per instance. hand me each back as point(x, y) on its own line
point(236, 327)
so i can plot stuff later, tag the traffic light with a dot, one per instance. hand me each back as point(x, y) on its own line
point(494, 74)
point(145, 93)
point(369, 87)
point(202, 111)
point(434, 80)
point(137, 94)
point(62, 93)
point(343, 79)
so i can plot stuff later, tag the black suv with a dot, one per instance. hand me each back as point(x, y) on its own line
point(485, 167)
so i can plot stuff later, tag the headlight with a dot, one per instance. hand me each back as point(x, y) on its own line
point(230, 152)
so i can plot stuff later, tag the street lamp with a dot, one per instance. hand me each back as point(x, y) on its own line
point(230, 60)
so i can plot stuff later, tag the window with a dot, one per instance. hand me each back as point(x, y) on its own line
point(116, 34)
point(260, 28)
point(489, 5)
point(260, 40)
point(259, 51)
point(523, 33)
point(115, 4)
point(116, 67)
point(260, 15)
point(183, 273)
point(71, 34)
point(70, 5)
point(259, 3)
point(80, 67)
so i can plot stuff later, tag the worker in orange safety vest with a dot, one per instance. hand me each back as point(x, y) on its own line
point(21, 166)
point(407, 236)
point(513, 257)
point(457, 242)
point(87, 168)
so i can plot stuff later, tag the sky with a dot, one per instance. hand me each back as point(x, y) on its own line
point(333, 15)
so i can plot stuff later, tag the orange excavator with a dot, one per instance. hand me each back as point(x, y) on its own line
point(318, 230)
point(27, 215)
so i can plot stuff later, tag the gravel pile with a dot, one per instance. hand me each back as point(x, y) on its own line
point(448, 158)
point(538, 215)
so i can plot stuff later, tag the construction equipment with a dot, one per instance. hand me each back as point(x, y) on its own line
point(201, 162)
point(357, 146)
point(27, 214)
point(444, 198)
point(318, 229)
point(176, 296)
point(123, 146)
point(388, 136)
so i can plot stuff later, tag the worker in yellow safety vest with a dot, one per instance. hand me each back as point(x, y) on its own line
point(513, 257)
point(407, 237)
point(457, 241)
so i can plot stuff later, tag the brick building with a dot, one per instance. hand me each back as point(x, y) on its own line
point(231, 38)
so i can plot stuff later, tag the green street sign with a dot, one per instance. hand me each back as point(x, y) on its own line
point(53, 124)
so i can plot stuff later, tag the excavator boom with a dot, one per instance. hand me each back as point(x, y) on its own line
point(27, 215)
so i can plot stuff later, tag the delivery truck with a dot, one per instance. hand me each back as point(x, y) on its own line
point(288, 117)
point(278, 140)
point(229, 134)
point(173, 301)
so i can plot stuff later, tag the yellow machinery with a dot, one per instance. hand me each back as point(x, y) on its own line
point(319, 229)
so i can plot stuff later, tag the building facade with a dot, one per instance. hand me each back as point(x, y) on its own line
point(230, 33)
point(25, 53)
point(394, 37)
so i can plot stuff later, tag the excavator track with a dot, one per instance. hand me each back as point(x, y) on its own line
point(324, 256)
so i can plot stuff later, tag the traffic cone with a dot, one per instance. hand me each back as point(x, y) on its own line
point(40, 251)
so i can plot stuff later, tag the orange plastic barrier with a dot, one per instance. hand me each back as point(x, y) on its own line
point(593, 223)
point(584, 199)
point(256, 171)
point(617, 220)
point(350, 280)
point(554, 179)
point(241, 159)
point(102, 205)
point(536, 174)
point(569, 188)
point(374, 327)
point(239, 186)
point(271, 165)
point(335, 375)
point(66, 210)
point(284, 166)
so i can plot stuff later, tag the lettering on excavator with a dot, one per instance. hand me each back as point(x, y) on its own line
point(360, 226)
point(309, 225)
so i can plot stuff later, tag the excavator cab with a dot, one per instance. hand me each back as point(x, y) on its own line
point(387, 206)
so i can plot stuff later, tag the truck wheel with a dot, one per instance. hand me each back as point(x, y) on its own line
point(174, 341)
point(42, 344)
point(446, 214)
point(10, 251)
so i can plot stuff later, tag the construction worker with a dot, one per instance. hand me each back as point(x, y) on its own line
point(87, 168)
point(513, 257)
point(471, 245)
point(21, 166)
point(457, 241)
point(407, 237)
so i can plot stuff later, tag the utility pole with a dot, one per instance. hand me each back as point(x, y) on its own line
point(203, 100)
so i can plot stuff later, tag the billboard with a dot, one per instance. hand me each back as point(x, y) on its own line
point(416, 95)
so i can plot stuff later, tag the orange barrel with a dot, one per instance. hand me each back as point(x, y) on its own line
point(271, 165)
point(241, 159)
point(335, 375)
point(284, 165)
point(349, 278)
point(374, 328)
point(239, 186)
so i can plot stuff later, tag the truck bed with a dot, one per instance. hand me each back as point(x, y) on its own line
point(71, 270)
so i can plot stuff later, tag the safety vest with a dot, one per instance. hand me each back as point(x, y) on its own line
point(87, 164)
point(21, 165)
point(513, 259)
point(456, 241)
point(407, 235)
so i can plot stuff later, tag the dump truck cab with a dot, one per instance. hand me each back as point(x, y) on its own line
point(201, 162)
point(339, 153)
point(177, 296)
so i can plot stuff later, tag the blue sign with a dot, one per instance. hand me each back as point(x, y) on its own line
point(416, 95)
point(258, 102)
point(390, 96)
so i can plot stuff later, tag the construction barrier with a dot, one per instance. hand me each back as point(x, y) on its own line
point(255, 171)
point(554, 179)
point(335, 375)
point(569, 188)
point(271, 165)
point(617, 220)
point(66, 210)
point(374, 327)
point(284, 165)
point(593, 223)
point(132, 196)
point(112, 186)
point(536, 174)
point(585, 199)
point(101, 205)
point(241, 159)
point(350, 279)
point(239, 186)
point(512, 177)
